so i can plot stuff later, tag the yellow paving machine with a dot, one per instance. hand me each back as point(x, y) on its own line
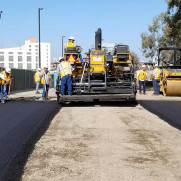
point(101, 77)
point(169, 61)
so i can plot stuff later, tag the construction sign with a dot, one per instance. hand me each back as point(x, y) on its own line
point(71, 59)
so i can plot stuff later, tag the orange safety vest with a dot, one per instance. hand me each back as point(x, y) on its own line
point(43, 79)
point(142, 75)
point(8, 78)
point(157, 74)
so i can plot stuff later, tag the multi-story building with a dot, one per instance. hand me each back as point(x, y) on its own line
point(26, 56)
point(107, 46)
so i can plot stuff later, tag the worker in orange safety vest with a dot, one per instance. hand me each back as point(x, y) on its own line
point(6, 83)
point(141, 77)
point(45, 81)
point(2, 78)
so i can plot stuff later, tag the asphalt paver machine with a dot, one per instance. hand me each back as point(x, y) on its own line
point(101, 78)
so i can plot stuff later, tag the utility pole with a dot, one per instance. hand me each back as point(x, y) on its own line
point(62, 44)
point(39, 9)
point(1, 13)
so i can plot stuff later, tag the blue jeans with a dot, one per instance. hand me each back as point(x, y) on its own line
point(37, 86)
point(1, 93)
point(5, 90)
point(66, 80)
point(45, 93)
point(156, 86)
point(142, 83)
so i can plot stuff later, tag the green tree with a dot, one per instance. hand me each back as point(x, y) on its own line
point(157, 36)
point(173, 19)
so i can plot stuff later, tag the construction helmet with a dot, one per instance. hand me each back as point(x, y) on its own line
point(39, 69)
point(61, 59)
point(143, 66)
point(8, 70)
point(71, 38)
point(156, 65)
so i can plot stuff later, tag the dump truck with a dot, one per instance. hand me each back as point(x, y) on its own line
point(99, 78)
point(169, 61)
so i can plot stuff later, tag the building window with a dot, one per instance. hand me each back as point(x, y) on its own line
point(1, 64)
point(30, 50)
point(29, 45)
point(1, 52)
point(28, 65)
point(1, 58)
point(36, 46)
point(36, 58)
point(20, 65)
point(36, 49)
point(20, 58)
point(36, 65)
point(20, 53)
point(28, 53)
point(10, 58)
point(11, 65)
point(10, 52)
point(28, 58)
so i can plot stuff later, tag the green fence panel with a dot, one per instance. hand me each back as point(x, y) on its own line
point(22, 79)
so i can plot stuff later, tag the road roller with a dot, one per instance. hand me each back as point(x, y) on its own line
point(169, 61)
point(99, 78)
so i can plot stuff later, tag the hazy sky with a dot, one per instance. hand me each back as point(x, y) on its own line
point(122, 21)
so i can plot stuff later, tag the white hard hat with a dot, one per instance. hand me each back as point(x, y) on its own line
point(39, 69)
point(8, 70)
point(156, 65)
point(60, 58)
point(143, 66)
point(71, 38)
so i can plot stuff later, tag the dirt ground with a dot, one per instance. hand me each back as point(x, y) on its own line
point(107, 142)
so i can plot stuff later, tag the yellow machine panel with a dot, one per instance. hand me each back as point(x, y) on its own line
point(97, 61)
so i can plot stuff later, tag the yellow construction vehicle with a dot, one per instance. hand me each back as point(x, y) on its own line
point(72, 55)
point(169, 61)
point(122, 59)
point(101, 78)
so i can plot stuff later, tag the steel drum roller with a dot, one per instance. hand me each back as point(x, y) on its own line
point(172, 87)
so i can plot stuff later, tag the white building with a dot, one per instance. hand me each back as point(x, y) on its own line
point(26, 56)
point(107, 46)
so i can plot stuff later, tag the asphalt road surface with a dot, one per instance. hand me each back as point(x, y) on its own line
point(18, 121)
point(106, 142)
point(167, 108)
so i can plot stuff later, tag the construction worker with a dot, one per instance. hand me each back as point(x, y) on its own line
point(6, 83)
point(1, 92)
point(70, 43)
point(65, 70)
point(156, 80)
point(37, 78)
point(141, 77)
point(45, 81)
